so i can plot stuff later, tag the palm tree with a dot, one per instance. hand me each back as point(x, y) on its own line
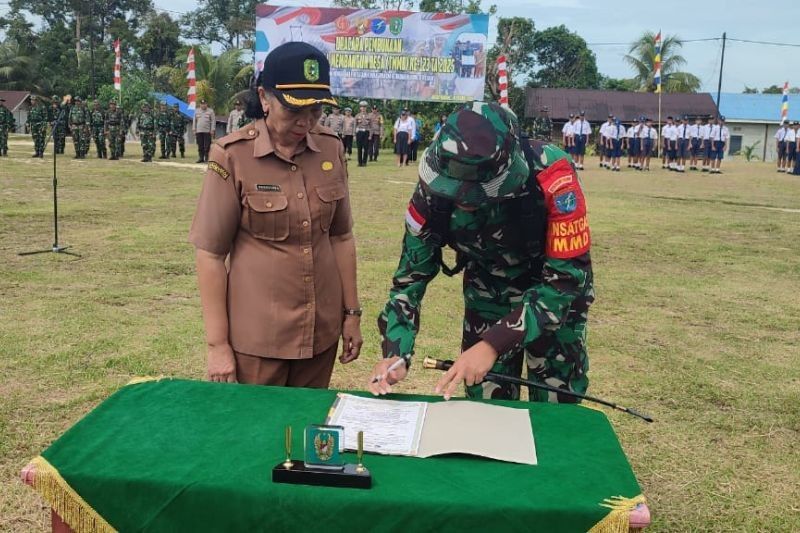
point(18, 71)
point(641, 57)
point(219, 78)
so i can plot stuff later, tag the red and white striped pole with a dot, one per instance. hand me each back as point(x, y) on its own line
point(192, 94)
point(502, 80)
point(117, 66)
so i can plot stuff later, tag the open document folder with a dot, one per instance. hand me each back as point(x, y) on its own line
point(423, 429)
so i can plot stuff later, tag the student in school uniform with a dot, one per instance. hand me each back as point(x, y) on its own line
point(616, 134)
point(583, 131)
point(791, 147)
point(568, 135)
point(780, 144)
point(694, 141)
point(683, 144)
point(629, 145)
point(605, 156)
point(665, 134)
point(796, 170)
point(719, 140)
point(705, 134)
point(649, 138)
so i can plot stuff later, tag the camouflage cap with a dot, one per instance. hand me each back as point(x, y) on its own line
point(476, 156)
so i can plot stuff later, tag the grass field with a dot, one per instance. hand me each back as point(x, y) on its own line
point(697, 319)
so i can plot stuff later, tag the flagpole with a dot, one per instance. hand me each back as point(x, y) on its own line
point(657, 80)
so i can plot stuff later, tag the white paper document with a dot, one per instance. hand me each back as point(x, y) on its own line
point(425, 429)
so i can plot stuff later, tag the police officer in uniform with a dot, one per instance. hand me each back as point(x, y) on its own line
point(375, 134)
point(7, 124)
point(77, 121)
point(363, 129)
point(37, 122)
point(348, 131)
point(335, 122)
point(522, 239)
point(275, 202)
point(114, 123)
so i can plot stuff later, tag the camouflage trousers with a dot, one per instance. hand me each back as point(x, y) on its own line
point(99, 137)
point(86, 139)
point(39, 134)
point(557, 358)
point(3, 140)
point(148, 139)
point(176, 141)
point(59, 140)
point(163, 137)
point(77, 140)
point(123, 132)
point(114, 139)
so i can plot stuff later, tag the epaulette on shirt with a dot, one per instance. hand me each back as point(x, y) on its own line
point(247, 132)
point(324, 130)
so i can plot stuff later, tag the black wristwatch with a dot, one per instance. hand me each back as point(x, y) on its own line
point(353, 312)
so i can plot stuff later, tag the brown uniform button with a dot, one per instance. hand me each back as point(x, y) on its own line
point(300, 195)
point(251, 132)
point(308, 306)
point(307, 279)
point(294, 167)
point(305, 223)
point(269, 204)
point(306, 250)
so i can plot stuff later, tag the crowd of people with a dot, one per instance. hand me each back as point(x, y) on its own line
point(788, 141)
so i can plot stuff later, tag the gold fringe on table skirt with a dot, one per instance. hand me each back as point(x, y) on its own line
point(619, 519)
point(65, 501)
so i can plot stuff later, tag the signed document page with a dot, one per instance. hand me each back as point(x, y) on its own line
point(426, 429)
point(389, 427)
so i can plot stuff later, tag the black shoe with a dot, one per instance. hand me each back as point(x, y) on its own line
point(200, 160)
point(181, 155)
point(163, 157)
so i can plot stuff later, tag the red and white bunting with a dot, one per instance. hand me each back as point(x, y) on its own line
point(502, 80)
point(117, 66)
point(191, 95)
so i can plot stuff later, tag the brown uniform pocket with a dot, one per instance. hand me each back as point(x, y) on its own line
point(329, 196)
point(267, 216)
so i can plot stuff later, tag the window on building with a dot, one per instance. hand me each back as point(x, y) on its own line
point(736, 144)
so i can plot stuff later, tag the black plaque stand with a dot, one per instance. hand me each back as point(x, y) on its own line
point(300, 474)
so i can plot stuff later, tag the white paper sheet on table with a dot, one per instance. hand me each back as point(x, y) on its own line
point(425, 429)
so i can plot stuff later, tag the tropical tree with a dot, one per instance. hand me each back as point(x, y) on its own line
point(17, 70)
point(641, 58)
point(219, 78)
point(564, 60)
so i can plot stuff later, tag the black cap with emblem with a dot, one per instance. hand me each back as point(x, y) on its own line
point(298, 74)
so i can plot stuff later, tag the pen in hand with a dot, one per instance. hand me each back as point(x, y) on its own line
point(394, 366)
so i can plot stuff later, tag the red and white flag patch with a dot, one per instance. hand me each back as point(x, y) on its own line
point(414, 220)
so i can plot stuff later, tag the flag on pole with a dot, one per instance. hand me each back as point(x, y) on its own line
point(117, 66)
point(657, 63)
point(785, 103)
point(191, 95)
point(502, 80)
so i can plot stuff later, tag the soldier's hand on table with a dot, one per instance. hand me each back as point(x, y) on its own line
point(221, 364)
point(471, 367)
point(384, 386)
point(351, 339)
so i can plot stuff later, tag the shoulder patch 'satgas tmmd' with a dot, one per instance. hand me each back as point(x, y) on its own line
point(216, 167)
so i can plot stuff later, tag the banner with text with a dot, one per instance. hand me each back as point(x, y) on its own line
point(375, 53)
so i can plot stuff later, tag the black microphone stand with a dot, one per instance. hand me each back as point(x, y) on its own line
point(56, 248)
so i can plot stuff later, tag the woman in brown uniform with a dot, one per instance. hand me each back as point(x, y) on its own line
point(275, 201)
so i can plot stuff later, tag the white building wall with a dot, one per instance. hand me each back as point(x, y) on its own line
point(761, 133)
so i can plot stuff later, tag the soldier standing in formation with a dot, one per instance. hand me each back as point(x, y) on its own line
point(523, 245)
point(114, 123)
point(335, 122)
point(97, 121)
point(146, 127)
point(127, 118)
point(77, 119)
point(59, 126)
point(543, 126)
point(375, 134)
point(37, 122)
point(86, 134)
point(236, 118)
point(163, 123)
point(348, 131)
point(363, 129)
point(7, 124)
point(176, 131)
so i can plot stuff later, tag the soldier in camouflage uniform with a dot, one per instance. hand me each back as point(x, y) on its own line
point(37, 122)
point(97, 120)
point(59, 126)
point(176, 131)
point(77, 122)
point(163, 124)
point(86, 134)
point(146, 127)
point(543, 126)
point(114, 121)
point(123, 133)
point(515, 214)
point(7, 124)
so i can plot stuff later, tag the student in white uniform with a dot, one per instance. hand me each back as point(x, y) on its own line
point(568, 134)
point(790, 139)
point(665, 135)
point(683, 144)
point(719, 141)
point(705, 135)
point(695, 140)
point(582, 130)
point(605, 157)
point(649, 139)
point(630, 145)
point(780, 144)
point(615, 135)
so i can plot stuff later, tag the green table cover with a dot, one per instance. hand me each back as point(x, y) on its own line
point(177, 455)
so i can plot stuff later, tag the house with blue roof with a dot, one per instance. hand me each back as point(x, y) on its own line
point(755, 118)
